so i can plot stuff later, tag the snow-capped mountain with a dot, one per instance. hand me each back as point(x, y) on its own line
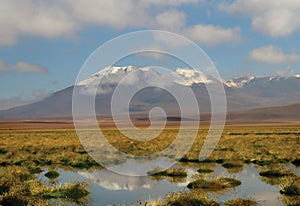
point(240, 82)
point(113, 75)
point(184, 76)
point(242, 93)
point(106, 80)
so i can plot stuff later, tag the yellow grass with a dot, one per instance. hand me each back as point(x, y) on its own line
point(26, 152)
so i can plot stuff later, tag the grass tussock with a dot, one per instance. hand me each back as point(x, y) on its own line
point(218, 183)
point(291, 188)
point(14, 200)
point(205, 170)
point(296, 162)
point(276, 173)
point(74, 192)
point(241, 202)
point(188, 199)
point(52, 174)
point(19, 187)
point(230, 165)
point(3, 151)
point(171, 172)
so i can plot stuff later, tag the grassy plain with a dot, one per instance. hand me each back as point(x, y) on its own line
point(26, 151)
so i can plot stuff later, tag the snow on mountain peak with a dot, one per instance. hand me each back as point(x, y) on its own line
point(115, 70)
point(297, 75)
point(239, 81)
point(191, 76)
point(187, 72)
point(112, 74)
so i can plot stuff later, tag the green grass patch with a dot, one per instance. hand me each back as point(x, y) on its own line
point(262, 162)
point(81, 152)
point(72, 192)
point(52, 174)
point(13, 200)
point(204, 170)
point(84, 164)
point(277, 172)
point(186, 159)
point(220, 160)
point(3, 151)
point(4, 188)
point(230, 165)
point(296, 162)
point(19, 163)
point(35, 170)
point(247, 161)
point(291, 188)
point(43, 162)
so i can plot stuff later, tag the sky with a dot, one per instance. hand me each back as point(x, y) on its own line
point(44, 43)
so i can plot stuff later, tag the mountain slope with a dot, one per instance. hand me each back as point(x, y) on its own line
point(58, 104)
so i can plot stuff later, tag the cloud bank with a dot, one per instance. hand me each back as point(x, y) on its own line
point(273, 18)
point(64, 18)
point(272, 55)
point(22, 66)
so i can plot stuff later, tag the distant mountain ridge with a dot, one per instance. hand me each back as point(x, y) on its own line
point(281, 113)
point(243, 93)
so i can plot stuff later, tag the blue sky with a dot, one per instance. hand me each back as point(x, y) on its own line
point(44, 43)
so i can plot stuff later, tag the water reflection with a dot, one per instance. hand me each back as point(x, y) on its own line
point(251, 187)
point(111, 181)
point(108, 188)
point(295, 169)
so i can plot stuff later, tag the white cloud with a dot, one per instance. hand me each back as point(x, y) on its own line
point(22, 66)
point(37, 18)
point(114, 13)
point(171, 20)
point(63, 18)
point(273, 18)
point(40, 94)
point(168, 2)
point(212, 34)
point(207, 34)
point(272, 55)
